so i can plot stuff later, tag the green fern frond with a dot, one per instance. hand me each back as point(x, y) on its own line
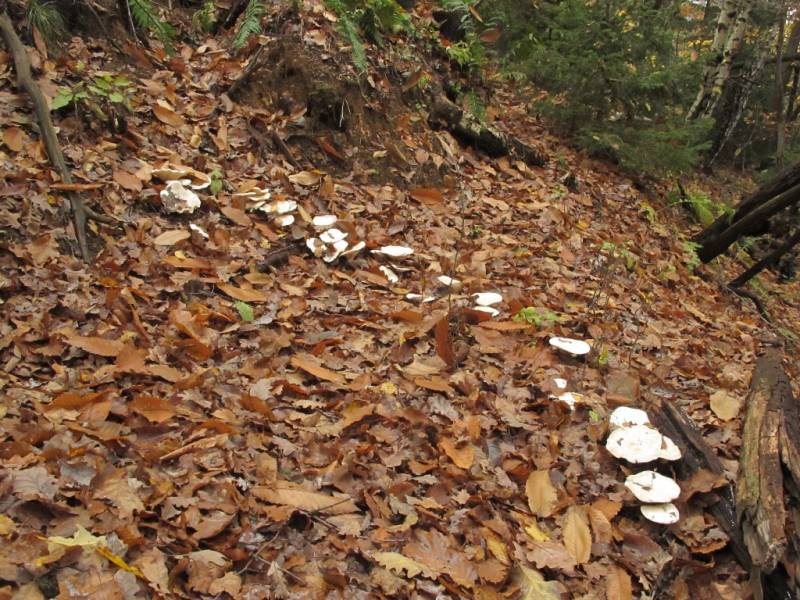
point(205, 17)
point(349, 29)
point(145, 16)
point(46, 18)
point(251, 24)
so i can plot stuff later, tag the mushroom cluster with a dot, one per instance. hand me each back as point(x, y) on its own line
point(330, 242)
point(179, 195)
point(633, 439)
point(485, 300)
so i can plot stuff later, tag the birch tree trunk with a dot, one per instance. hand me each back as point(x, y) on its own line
point(732, 45)
point(722, 31)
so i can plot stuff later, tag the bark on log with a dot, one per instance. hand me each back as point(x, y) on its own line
point(770, 259)
point(786, 179)
point(697, 455)
point(80, 212)
point(759, 485)
point(714, 246)
point(470, 130)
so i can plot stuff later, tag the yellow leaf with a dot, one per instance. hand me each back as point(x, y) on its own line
point(81, 537)
point(536, 534)
point(542, 496)
point(535, 587)
point(577, 536)
point(118, 560)
point(7, 526)
point(496, 547)
point(394, 561)
point(388, 388)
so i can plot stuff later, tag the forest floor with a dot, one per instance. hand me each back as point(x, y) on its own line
point(210, 411)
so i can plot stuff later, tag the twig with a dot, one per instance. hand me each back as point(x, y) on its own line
point(762, 310)
point(80, 212)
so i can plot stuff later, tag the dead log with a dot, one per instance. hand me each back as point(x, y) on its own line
point(697, 455)
point(80, 212)
point(464, 126)
point(770, 437)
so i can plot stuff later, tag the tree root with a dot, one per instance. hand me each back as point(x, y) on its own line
point(81, 214)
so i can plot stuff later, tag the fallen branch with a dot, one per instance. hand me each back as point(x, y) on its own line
point(469, 129)
point(80, 212)
point(770, 259)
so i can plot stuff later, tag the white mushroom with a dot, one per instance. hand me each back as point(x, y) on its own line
point(285, 206)
point(198, 229)
point(652, 488)
point(394, 251)
point(570, 398)
point(389, 274)
point(636, 444)
point(669, 451)
point(322, 222)
point(419, 298)
point(570, 346)
point(448, 281)
point(663, 514)
point(334, 251)
point(625, 416)
point(560, 383)
point(176, 198)
point(355, 249)
point(487, 298)
point(284, 220)
point(488, 309)
point(331, 236)
point(316, 246)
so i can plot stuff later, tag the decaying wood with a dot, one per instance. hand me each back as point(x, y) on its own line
point(252, 66)
point(80, 212)
point(768, 260)
point(697, 455)
point(470, 130)
point(759, 485)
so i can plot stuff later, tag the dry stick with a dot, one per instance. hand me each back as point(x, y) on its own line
point(768, 260)
point(80, 212)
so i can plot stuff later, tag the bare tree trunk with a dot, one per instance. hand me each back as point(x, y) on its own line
point(780, 115)
point(726, 18)
point(729, 114)
point(732, 45)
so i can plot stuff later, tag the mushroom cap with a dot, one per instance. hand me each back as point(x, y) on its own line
point(411, 297)
point(355, 248)
point(334, 250)
point(652, 488)
point(560, 383)
point(636, 443)
point(625, 416)
point(284, 220)
point(570, 346)
point(669, 450)
point(332, 235)
point(321, 222)
point(198, 229)
point(487, 298)
point(177, 198)
point(664, 514)
point(447, 280)
point(394, 251)
point(488, 309)
point(389, 274)
point(570, 398)
point(315, 245)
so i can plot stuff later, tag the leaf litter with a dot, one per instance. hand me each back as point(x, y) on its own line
point(220, 429)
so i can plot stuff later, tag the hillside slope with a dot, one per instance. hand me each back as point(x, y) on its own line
point(237, 417)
